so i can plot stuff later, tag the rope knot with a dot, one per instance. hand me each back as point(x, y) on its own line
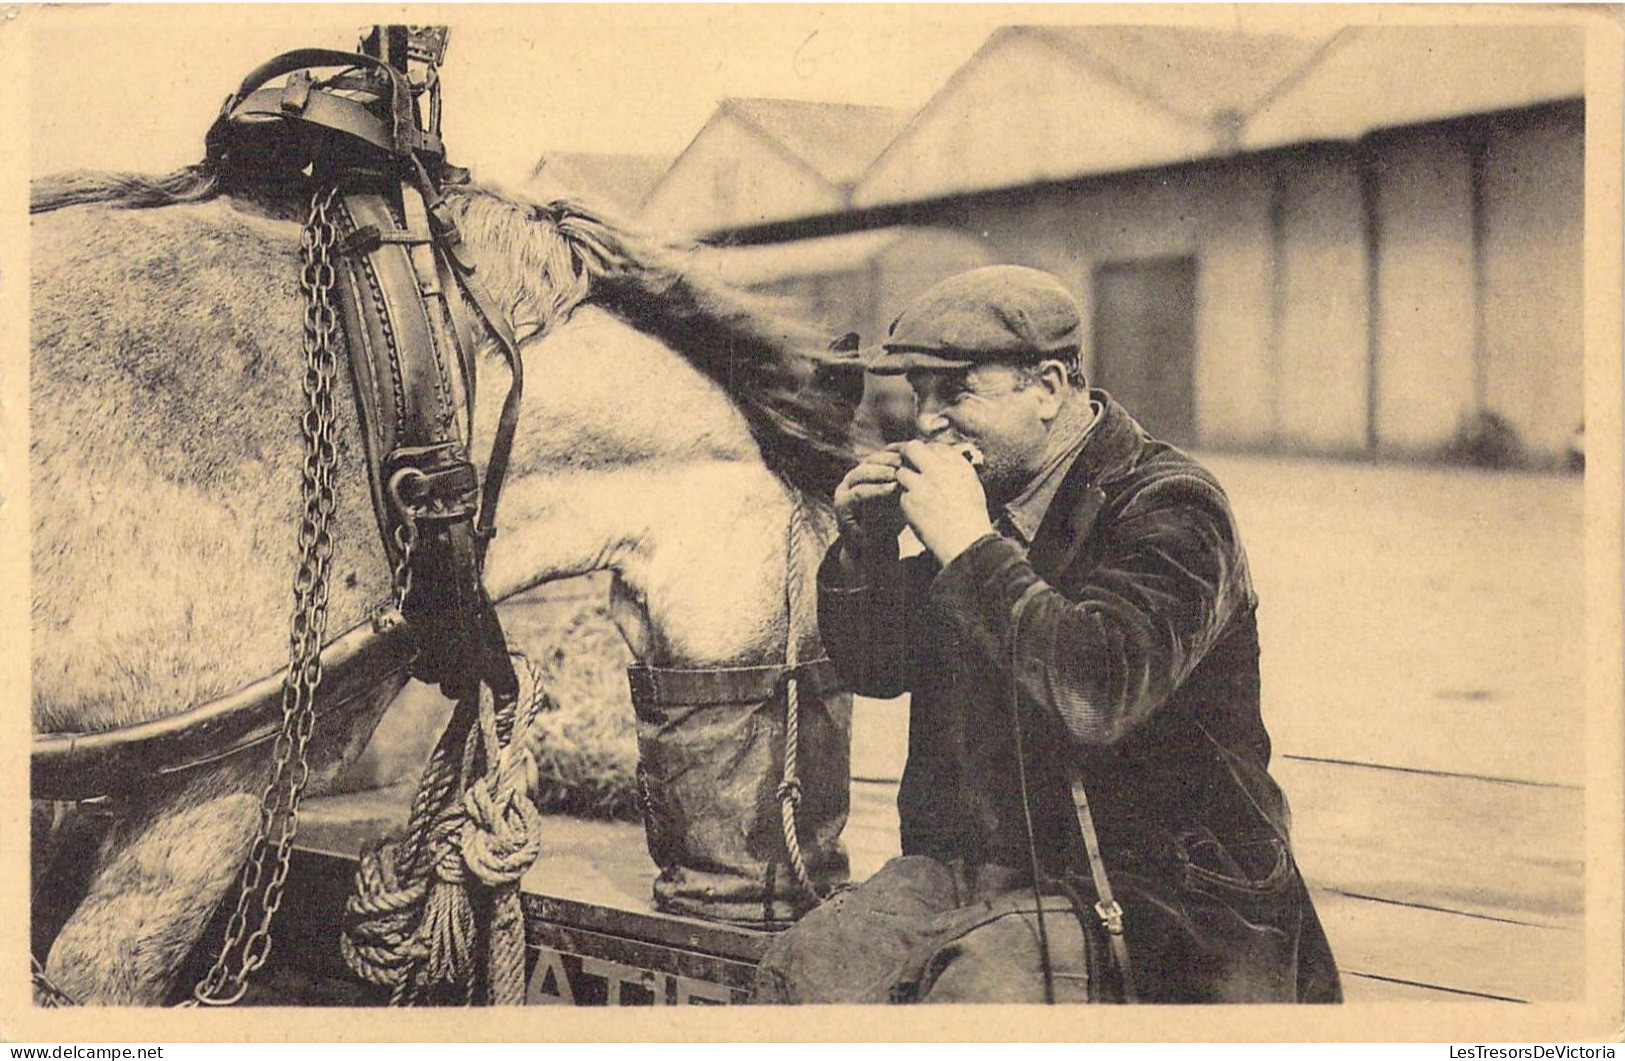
point(789, 791)
point(450, 867)
point(421, 937)
point(502, 832)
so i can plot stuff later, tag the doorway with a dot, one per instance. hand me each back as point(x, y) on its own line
point(1145, 342)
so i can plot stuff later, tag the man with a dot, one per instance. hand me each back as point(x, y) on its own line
point(1088, 580)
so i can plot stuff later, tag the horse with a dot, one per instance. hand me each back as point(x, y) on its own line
point(674, 431)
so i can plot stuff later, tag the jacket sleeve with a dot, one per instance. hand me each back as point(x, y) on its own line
point(867, 623)
point(1168, 576)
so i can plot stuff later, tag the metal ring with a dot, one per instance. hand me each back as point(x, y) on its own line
point(397, 484)
point(201, 997)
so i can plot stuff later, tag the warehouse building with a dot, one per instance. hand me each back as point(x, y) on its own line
point(1366, 242)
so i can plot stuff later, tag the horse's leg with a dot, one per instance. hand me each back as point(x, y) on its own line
point(65, 838)
point(174, 854)
point(159, 879)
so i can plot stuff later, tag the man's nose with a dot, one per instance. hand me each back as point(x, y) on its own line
point(928, 420)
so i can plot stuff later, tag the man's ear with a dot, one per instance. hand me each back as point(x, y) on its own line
point(1051, 381)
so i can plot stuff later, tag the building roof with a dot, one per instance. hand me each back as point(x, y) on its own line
point(768, 263)
point(619, 180)
point(1040, 103)
point(836, 140)
point(820, 256)
point(1208, 77)
point(1381, 77)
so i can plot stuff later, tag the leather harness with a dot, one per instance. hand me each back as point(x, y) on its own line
point(413, 312)
point(403, 276)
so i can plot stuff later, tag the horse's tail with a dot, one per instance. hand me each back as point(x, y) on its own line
point(189, 184)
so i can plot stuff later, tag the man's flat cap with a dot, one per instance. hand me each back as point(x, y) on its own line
point(996, 313)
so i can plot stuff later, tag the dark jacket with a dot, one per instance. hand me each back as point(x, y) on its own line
point(1130, 624)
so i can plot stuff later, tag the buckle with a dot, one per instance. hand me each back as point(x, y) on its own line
point(363, 240)
point(427, 44)
point(1111, 915)
point(368, 238)
point(435, 483)
point(296, 92)
point(386, 618)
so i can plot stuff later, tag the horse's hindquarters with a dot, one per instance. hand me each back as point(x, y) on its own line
point(712, 752)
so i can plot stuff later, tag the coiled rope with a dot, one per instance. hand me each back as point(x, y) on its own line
point(415, 922)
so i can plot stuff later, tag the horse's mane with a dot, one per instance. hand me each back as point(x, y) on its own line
point(190, 184)
point(541, 261)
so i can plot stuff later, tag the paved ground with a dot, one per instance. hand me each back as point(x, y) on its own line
point(1426, 618)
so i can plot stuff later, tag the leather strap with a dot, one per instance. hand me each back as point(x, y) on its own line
point(402, 322)
point(669, 687)
point(339, 113)
point(1106, 907)
point(450, 242)
point(113, 763)
point(392, 339)
point(394, 307)
point(397, 135)
point(465, 336)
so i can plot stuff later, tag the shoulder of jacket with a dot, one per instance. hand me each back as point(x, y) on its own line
point(1164, 482)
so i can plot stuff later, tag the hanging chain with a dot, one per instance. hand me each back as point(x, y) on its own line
point(46, 993)
point(279, 806)
point(406, 539)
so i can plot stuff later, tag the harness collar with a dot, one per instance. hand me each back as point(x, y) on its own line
point(406, 287)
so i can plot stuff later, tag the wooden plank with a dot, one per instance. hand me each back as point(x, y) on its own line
point(1386, 952)
point(604, 953)
point(606, 863)
point(1493, 959)
point(1500, 864)
point(641, 954)
point(589, 861)
point(1498, 849)
point(1455, 838)
point(1483, 847)
point(714, 938)
point(561, 977)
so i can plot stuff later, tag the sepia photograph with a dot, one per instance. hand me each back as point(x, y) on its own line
point(1104, 517)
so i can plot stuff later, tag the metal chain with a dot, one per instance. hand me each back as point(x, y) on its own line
point(406, 539)
point(47, 994)
point(279, 805)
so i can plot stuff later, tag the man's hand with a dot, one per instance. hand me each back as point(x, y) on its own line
point(942, 499)
point(866, 504)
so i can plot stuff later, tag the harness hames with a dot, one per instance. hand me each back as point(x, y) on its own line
point(384, 260)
